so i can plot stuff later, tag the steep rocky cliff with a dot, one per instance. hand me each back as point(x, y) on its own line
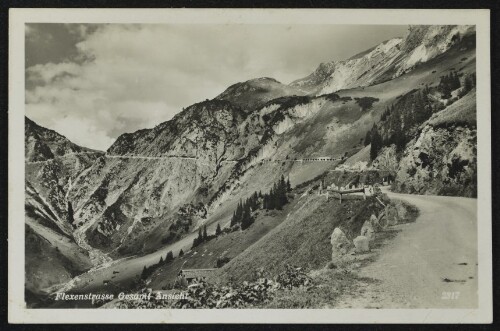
point(442, 159)
point(130, 199)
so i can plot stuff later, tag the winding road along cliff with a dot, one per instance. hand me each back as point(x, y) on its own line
point(431, 263)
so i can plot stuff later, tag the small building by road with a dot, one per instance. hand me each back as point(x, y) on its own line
point(192, 274)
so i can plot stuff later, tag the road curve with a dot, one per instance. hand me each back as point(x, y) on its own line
point(431, 263)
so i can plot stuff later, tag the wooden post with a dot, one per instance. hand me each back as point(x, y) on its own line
point(364, 194)
point(340, 197)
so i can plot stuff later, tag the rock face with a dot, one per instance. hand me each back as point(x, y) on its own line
point(340, 244)
point(368, 231)
point(53, 163)
point(361, 244)
point(442, 160)
point(42, 144)
point(386, 160)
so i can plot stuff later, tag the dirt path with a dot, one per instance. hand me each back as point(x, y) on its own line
point(431, 263)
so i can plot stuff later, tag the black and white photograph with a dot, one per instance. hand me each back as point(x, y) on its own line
point(202, 164)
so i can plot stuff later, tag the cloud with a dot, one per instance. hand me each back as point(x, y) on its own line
point(121, 78)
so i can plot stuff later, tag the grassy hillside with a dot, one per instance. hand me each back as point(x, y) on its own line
point(227, 245)
point(303, 239)
point(461, 112)
point(298, 235)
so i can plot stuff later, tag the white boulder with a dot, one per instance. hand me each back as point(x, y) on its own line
point(361, 244)
point(368, 231)
point(340, 244)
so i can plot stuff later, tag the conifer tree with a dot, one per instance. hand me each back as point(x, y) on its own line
point(239, 212)
point(247, 218)
point(169, 257)
point(161, 260)
point(233, 219)
point(469, 82)
point(71, 218)
point(456, 81)
point(283, 198)
point(218, 230)
point(271, 200)
point(368, 138)
point(205, 235)
point(198, 240)
point(376, 143)
point(181, 252)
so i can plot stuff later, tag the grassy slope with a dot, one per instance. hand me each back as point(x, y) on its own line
point(463, 111)
point(228, 245)
point(299, 235)
point(303, 239)
point(362, 156)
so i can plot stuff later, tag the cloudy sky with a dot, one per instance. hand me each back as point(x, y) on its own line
point(92, 83)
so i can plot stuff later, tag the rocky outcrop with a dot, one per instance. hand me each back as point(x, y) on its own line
point(386, 160)
point(442, 158)
point(441, 161)
point(43, 144)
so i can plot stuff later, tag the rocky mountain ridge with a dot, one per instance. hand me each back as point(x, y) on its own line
point(386, 61)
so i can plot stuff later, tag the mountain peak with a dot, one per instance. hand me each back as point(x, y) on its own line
point(255, 92)
point(43, 144)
